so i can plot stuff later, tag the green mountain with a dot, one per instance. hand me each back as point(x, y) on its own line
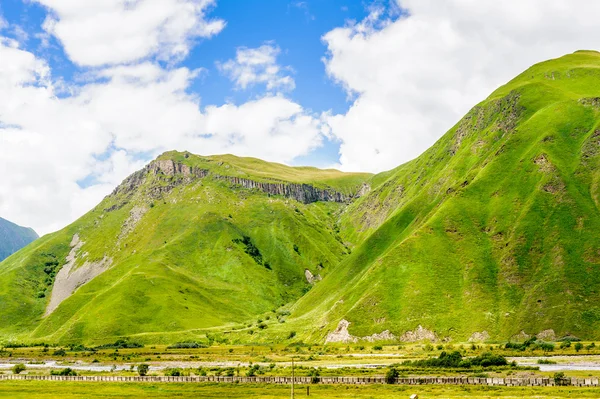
point(492, 233)
point(13, 238)
point(185, 245)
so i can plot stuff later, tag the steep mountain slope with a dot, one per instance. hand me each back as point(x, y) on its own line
point(494, 230)
point(187, 244)
point(13, 238)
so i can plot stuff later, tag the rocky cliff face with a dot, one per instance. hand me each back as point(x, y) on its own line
point(184, 174)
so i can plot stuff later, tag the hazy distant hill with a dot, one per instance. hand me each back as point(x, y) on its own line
point(13, 238)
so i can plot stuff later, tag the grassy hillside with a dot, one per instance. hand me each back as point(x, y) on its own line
point(185, 254)
point(494, 229)
point(13, 238)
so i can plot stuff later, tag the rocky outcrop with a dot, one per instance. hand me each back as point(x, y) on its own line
point(311, 278)
point(479, 336)
point(341, 334)
point(135, 215)
point(304, 193)
point(522, 336)
point(419, 334)
point(547, 335)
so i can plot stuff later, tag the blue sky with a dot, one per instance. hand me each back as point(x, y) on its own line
point(91, 91)
point(296, 27)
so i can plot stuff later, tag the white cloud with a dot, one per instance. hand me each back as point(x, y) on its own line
point(253, 66)
point(104, 32)
point(97, 132)
point(413, 78)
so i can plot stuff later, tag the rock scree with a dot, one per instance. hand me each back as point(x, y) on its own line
point(69, 278)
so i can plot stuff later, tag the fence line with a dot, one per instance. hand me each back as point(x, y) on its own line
point(582, 382)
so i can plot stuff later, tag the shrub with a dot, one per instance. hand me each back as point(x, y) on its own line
point(59, 352)
point(565, 344)
point(252, 370)
point(314, 375)
point(292, 334)
point(455, 360)
point(545, 361)
point(296, 249)
point(377, 348)
point(546, 346)
point(121, 344)
point(65, 372)
point(18, 368)
point(591, 346)
point(578, 346)
point(186, 345)
point(560, 379)
point(174, 372)
point(250, 248)
point(570, 338)
point(391, 375)
point(143, 369)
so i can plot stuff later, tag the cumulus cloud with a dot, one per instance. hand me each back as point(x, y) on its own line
point(411, 78)
point(253, 66)
point(103, 32)
point(63, 153)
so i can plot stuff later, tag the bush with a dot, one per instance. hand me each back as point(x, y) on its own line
point(391, 375)
point(560, 379)
point(252, 370)
point(377, 348)
point(143, 369)
point(569, 338)
point(250, 248)
point(292, 334)
point(314, 375)
point(174, 372)
point(565, 344)
point(59, 352)
point(186, 345)
point(121, 344)
point(591, 346)
point(546, 346)
point(578, 346)
point(65, 372)
point(455, 360)
point(18, 368)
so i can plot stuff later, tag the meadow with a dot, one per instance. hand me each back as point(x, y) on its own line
point(51, 390)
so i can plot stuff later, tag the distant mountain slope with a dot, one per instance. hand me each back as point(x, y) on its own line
point(13, 238)
point(187, 244)
point(492, 231)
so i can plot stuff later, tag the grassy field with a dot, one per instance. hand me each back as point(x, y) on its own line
point(48, 390)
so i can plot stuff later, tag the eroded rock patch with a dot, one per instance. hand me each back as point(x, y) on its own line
point(69, 278)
